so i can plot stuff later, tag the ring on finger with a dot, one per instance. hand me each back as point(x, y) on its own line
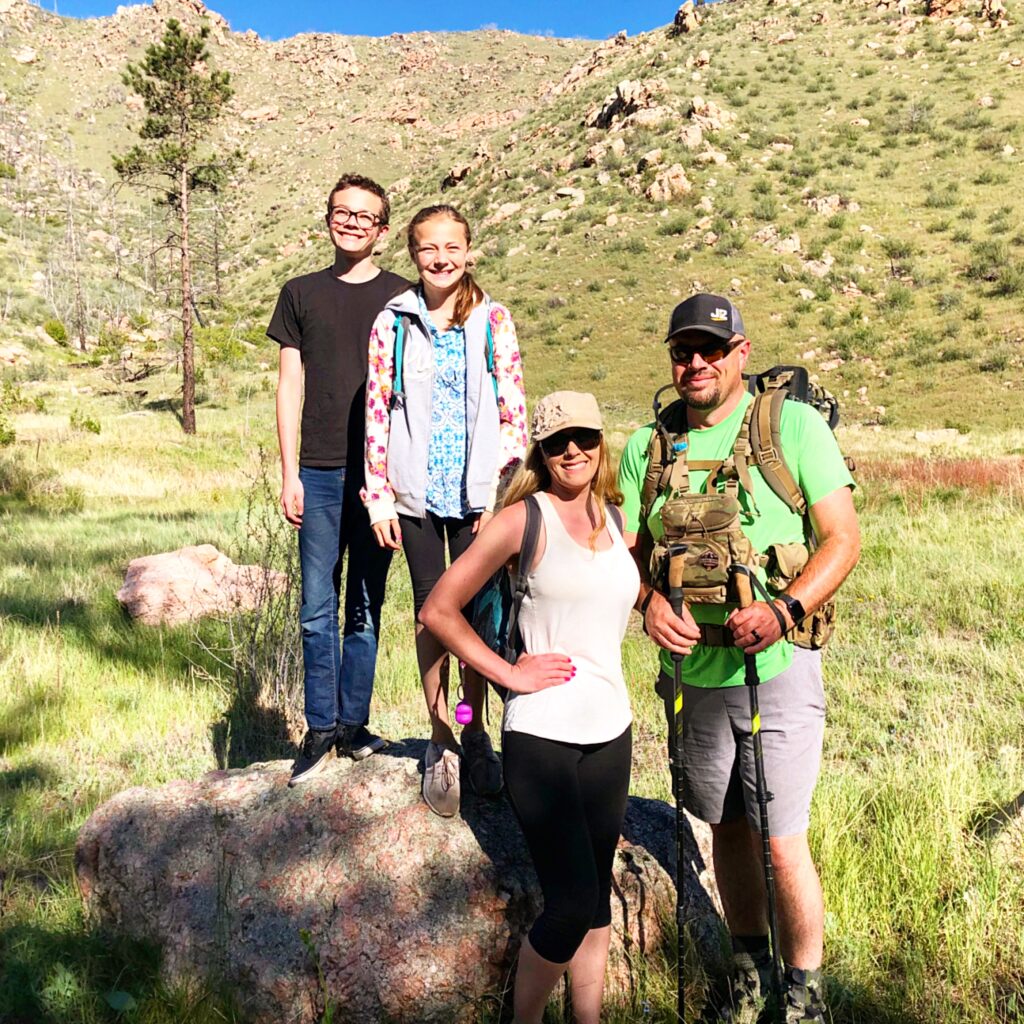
point(757, 636)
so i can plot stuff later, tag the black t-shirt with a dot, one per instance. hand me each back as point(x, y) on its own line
point(329, 322)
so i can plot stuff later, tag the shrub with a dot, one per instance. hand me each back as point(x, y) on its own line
point(897, 300)
point(39, 487)
point(219, 344)
point(766, 207)
point(7, 434)
point(677, 225)
point(56, 330)
point(1010, 280)
point(81, 423)
point(942, 197)
point(987, 260)
point(7, 170)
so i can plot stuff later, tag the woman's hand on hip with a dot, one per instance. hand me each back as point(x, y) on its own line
point(533, 672)
point(388, 534)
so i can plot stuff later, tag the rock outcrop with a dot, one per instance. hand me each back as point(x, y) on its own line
point(670, 184)
point(686, 19)
point(178, 586)
point(349, 890)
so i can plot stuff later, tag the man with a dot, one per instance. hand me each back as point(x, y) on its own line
point(709, 350)
point(322, 323)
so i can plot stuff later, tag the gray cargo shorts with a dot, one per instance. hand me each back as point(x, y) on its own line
point(718, 751)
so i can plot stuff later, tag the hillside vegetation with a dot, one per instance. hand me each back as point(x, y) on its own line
point(847, 171)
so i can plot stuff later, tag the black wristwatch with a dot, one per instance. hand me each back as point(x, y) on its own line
point(794, 607)
point(644, 605)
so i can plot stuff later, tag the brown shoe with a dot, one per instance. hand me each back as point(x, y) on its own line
point(441, 780)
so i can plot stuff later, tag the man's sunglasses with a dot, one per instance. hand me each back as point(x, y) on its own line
point(710, 352)
point(585, 438)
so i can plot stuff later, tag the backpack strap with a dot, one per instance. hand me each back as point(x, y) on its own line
point(667, 466)
point(527, 550)
point(765, 438)
point(489, 352)
point(401, 329)
point(614, 513)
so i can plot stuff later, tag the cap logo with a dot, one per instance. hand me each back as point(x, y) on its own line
point(720, 315)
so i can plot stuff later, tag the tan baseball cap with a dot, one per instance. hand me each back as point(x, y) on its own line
point(563, 409)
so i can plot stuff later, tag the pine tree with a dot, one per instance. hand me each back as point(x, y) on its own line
point(183, 97)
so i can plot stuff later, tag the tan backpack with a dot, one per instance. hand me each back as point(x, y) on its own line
point(708, 523)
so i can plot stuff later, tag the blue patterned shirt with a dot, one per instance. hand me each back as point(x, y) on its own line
point(446, 454)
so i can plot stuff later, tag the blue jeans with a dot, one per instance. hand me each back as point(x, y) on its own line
point(338, 675)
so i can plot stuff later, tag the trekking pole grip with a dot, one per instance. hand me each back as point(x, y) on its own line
point(744, 590)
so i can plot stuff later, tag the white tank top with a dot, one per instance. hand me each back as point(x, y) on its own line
point(578, 603)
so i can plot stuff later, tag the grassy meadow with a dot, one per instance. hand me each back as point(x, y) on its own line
point(859, 204)
point(923, 878)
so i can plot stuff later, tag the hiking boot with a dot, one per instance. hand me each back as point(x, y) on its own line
point(804, 1000)
point(316, 748)
point(750, 985)
point(483, 768)
point(441, 779)
point(357, 742)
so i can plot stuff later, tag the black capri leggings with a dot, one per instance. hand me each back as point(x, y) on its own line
point(423, 544)
point(570, 799)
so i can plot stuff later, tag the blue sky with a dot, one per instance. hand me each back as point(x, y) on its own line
point(593, 19)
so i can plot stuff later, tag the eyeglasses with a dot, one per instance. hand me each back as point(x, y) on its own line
point(711, 352)
point(585, 438)
point(363, 218)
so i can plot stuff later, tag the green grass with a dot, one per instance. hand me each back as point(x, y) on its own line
point(925, 907)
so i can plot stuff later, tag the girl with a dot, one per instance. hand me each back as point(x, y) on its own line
point(445, 429)
point(567, 727)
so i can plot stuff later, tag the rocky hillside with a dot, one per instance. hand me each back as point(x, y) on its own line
point(846, 169)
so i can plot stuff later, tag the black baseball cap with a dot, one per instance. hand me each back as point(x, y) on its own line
point(711, 314)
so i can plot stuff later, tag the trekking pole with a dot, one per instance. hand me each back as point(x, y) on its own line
point(744, 589)
point(676, 566)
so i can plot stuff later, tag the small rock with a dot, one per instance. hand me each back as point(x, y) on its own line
point(270, 112)
point(652, 158)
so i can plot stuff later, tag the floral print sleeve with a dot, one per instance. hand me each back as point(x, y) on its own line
point(377, 495)
point(508, 373)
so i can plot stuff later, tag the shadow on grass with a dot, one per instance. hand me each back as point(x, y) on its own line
point(69, 976)
point(171, 405)
point(988, 822)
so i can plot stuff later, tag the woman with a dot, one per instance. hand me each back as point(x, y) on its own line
point(567, 726)
point(445, 429)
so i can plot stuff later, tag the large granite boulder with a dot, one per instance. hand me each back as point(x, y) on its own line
point(349, 890)
point(178, 586)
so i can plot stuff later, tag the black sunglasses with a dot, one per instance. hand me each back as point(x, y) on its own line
point(585, 438)
point(710, 352)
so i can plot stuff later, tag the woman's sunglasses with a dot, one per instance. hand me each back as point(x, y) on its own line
point(711, 352)
point(585, 438)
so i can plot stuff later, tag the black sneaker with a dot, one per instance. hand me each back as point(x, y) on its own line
point(316, 748)
point(481, 763)
point(357, 742)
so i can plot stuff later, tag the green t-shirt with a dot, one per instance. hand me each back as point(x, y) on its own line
point(817, 465)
